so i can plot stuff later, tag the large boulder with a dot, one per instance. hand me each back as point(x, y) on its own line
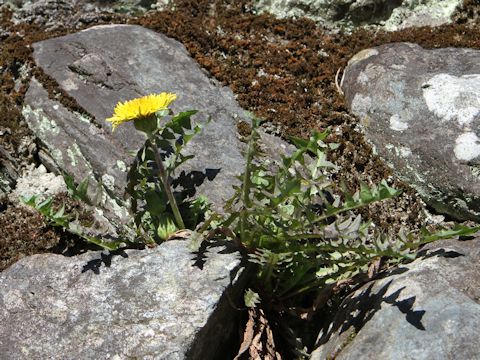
point(347, 14)
point(102, 65)
point(421, 110)
point(429, 309)
point(160, 303)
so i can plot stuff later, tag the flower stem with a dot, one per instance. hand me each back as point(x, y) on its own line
point(162, 174)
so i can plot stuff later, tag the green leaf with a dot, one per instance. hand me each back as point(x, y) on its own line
point(69, 182)
point(78, 192)
point(196, 240)
point(82, 188)
point(166, 227)
point(251, 298)
point(457, 230)
point(386, 191)
point(45, 205)
point(28, 200)
point(156, 202)
point(189, 136)
point(181, 121)
point(299, 142)
point(366, 194)
point(147, 125)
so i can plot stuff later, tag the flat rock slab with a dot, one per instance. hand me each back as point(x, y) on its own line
point(421, 110)
point(159, 303)
point(103, 65)
point(429, 309)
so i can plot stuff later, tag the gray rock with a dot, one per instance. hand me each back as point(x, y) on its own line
point(54, 14)
point(72, 14)
point(429, 309)
point(161, 303)
point(421, 110)
point(8, 173)
point(105, 64)
point(347, 14)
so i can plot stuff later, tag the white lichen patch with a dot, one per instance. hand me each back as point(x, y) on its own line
point(121, 166)
point(69, 85)
point(421, 12)
point(108, 181)
point(415, 173)
point(361, 104)
point(453, 98)
point(467, 146)
point(45, 125)
point(74, 153)
point(83, 118)
point(110, 203)
point(362, 78)
point(397, 123)
point(404, 151)
point(57, 155)
point(475, 169)
point(148, 333)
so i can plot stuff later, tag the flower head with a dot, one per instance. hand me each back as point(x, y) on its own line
point(140, 108)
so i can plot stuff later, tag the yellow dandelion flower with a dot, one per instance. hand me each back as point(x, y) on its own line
point(140, 108)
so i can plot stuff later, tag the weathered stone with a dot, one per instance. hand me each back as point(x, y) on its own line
point(8, 173)
point(72, 14)
point(429, 309)
point(54, 14)
point(347, 14)
point(161, 303)
point(37, 181)
point(103, 65)
point(421, 110)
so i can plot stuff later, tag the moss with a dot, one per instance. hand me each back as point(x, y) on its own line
point(24, 233)
point(244, 129)
point(11, 119)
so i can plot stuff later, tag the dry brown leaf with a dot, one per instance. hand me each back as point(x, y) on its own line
point(258, 338)
point(180, 235)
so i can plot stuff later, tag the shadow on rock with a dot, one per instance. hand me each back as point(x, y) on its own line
point(449, 254)
point(201, 255)
point(105, 259)
point(192, 180)
point(356, 311)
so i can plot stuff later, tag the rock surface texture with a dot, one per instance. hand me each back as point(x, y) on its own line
point(74, 14)
point(161, 303)
point(102, 65)
point(421, 110)
point(389, 15)
point(429, 309)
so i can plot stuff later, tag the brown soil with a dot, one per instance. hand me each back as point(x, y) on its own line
point(297, 93)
